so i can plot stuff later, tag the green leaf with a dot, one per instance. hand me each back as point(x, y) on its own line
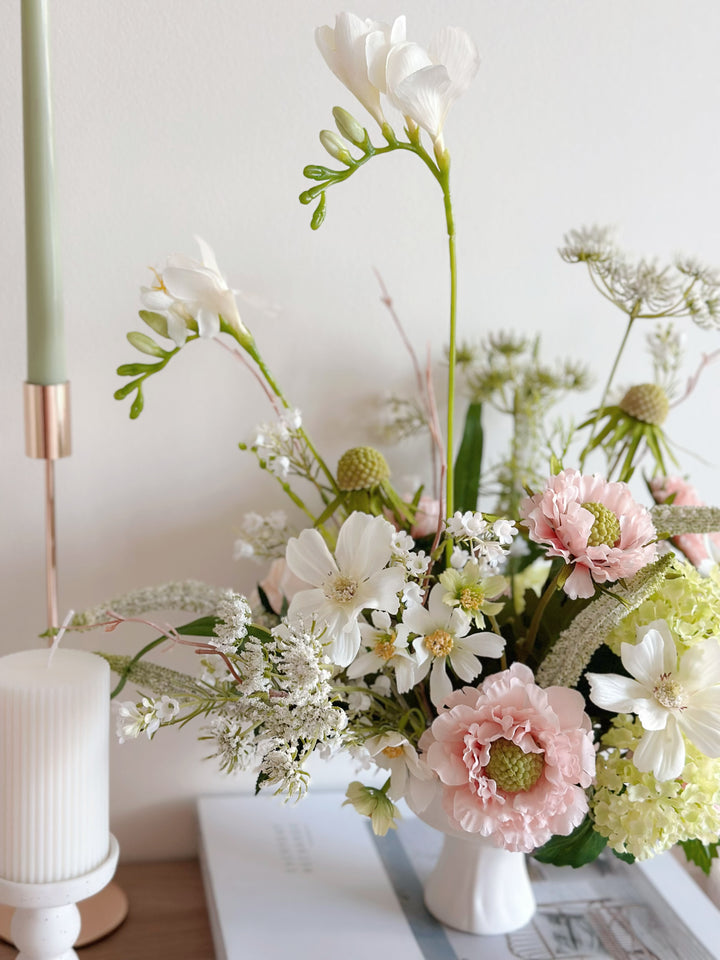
point(701, 854)
point(469, 460)
point(156, 322)
point(137, 404)
point(582, 846)
point(145, 344)
point(202, 627)
point(262, 777)
point(625, 857)
point(555, 465)
point(319, 212)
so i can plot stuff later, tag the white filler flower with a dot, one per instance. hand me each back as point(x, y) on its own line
point(356, 578)
point(669, 697)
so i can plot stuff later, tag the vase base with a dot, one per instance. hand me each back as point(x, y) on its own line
point(100, 915)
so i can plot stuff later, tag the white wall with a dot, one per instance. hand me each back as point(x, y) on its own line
point(178, 117)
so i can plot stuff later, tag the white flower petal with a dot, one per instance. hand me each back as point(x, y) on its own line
point(613, 692)
point(177, 329)
point(651, 714)
point(305, 605)
point(190, 284)
point(484, 644)
point(646, 660)
point(364, 545)
point(405, 674)
point(423, 96)
point(366, 663)
point(309, 558)
point(700, 666)
point(440, 684)
point(455, 50)
point(465, 664)
point(344, 646)
point(208, 322)
point(207, 255)
point(381, 590)
point(700, 722)
point(155, 299)
point(662, 752)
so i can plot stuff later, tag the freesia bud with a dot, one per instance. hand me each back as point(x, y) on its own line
point(335, 146)
point(349, 127)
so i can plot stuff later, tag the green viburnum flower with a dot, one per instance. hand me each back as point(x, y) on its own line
point(644, 816)
point(373, 803)
point(687, 602)
point(470, 591)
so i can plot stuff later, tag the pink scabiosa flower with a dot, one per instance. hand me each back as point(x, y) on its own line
point(699, 548)
point(514, 759)
point(594, 525)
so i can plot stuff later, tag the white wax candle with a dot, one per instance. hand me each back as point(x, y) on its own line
point(54, 735)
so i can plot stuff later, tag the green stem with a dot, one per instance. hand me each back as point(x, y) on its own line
point(631, 320)
point(539, 610)
point(131, 663)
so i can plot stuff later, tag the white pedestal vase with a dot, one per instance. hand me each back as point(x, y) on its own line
point(475, 886)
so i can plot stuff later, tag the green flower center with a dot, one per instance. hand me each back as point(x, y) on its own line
point(471, 598)
point(513, 770)
point(361, 468)
point(606, 528)
point(669, 693)
point(646, 402)
point(342, 589)
point(439, 643)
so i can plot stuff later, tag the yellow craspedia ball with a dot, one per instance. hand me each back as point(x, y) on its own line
point(646, 402)
point(362, 468)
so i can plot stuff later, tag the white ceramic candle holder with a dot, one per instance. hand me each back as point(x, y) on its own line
point(46, 922)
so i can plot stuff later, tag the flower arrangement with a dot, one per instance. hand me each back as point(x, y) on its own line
point(549, 666)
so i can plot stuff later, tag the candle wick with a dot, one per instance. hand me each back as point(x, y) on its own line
point(59, 635)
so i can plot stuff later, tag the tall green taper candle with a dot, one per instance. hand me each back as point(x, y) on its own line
point(45, 340)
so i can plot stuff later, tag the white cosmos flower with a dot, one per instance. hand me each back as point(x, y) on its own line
point(356, 578)
point(423, 84)
point(188, 289)
point(442, 636)
point(356, 51)
point(669, 697)
point(410, 777)
point(385, 646)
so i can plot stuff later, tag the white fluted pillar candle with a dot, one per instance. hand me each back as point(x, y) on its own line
point(54, 741)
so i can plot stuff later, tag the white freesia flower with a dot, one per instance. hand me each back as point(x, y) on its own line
point(194, 290)
point(670, 697)
point(385, 646)
point(356, 51)
point(423, 84)
point(355, 579)
point(409, 776)
point(442, 636)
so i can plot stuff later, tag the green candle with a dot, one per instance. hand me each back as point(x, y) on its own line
point(45, 341)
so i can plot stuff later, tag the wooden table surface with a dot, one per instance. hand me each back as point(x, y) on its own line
point(167, 918)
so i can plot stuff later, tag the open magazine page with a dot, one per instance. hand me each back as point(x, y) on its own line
point(312, 879)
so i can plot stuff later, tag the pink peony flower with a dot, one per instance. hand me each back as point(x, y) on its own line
point(594, 525)
point(695, 546)
point(514, 759)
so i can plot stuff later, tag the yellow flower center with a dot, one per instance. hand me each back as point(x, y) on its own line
point(471, 598)
point(385, 648)
point(439, 643)
point(393, 752)
point(606, 528)
point(669, 693)
point(511, 768)
point(342, 589)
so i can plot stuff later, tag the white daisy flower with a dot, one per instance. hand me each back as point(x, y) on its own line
point(443, 635)
point(409, 776)
point(386, 645)
point(357, 578)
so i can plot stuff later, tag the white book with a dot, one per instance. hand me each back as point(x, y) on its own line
point(311, 881)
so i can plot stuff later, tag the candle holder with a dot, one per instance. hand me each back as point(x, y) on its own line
point(46, 921)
